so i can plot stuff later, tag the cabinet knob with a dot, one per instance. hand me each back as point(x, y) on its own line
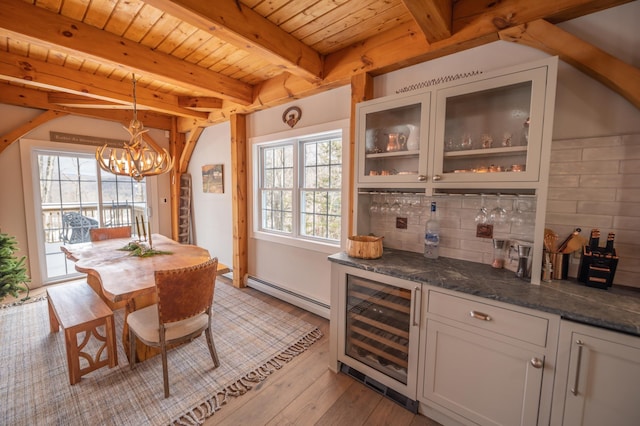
point(437, 177)
point(422, 178)
point(537, 362)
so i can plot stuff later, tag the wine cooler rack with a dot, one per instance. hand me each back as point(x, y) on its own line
point(377, 326)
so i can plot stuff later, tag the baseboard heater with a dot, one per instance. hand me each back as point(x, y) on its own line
point(396, 397)
point(289, 296)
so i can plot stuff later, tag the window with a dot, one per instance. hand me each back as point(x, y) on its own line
point(300, 185)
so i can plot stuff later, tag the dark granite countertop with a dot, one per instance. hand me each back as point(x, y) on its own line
point(615, 309)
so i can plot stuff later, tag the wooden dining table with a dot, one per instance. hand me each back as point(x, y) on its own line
point(124, 280)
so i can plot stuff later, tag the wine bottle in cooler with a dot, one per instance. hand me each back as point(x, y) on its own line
point(432, 235)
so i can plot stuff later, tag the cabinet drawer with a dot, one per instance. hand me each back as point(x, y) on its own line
point(518, 325)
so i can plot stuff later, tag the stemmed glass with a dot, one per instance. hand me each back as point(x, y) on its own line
point(483, 214)
point(374, 208)
point(498, 214)
point(517, 217)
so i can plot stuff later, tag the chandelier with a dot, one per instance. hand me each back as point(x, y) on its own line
point(137, 158)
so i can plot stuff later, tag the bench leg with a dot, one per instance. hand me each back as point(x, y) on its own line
point(73, 357)
point(54, 325)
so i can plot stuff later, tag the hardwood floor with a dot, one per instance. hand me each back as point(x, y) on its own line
point(306, 392)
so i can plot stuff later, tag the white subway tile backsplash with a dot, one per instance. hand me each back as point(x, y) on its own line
point(609, 181)
point(562, 206)
point(580, 194)
point(609, 208)
point(583, 167)
point(630, 167)
point(584, 221)
point(627, 194)
point(622, 152)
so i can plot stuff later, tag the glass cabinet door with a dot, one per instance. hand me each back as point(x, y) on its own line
point(490, 130)
point(392, 138)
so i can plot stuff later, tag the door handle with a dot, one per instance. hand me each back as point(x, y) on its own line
point(574, 389)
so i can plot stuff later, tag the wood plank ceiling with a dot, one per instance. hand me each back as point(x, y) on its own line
point(201, 61)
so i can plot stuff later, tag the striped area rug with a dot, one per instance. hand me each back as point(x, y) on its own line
point(252, 338)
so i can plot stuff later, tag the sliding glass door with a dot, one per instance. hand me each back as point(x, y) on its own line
point(74, 196)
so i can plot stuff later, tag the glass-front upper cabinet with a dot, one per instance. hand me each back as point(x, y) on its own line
point(491, 130)
point(392, 139)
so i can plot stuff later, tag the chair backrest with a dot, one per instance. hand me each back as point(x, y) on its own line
point(185, 292)
point(101, 234)
point(75, 228)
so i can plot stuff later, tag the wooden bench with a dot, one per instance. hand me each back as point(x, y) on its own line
point(77, 308)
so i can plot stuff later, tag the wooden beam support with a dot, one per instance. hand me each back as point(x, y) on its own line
point(239, 199)
point(61, 33)
point(41, 74)
point(187, 150)
point(30, 98)
point(605, 68)
point(199, 102)
point(433, 17)
point(176, 146)
point(236, 24)
point(7, 139)
point(361, 90)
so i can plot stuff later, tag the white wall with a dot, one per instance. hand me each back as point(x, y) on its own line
point(213, 226)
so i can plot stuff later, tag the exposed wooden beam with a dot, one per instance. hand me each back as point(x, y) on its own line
point(199, 103)
point(31, 98)
point(49, 76)
point(187, 150)
point(235, 23)
point(36, 24)
point(433, 17)
point(239, 199)
point(612, 72)
point(7, 139)
point(76, 101)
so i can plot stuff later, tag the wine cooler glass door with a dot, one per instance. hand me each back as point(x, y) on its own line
point(378, 325)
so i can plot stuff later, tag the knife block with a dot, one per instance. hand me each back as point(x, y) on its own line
point(597, 267)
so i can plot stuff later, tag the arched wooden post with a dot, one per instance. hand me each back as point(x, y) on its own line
point(361, 90)
point(239, 198)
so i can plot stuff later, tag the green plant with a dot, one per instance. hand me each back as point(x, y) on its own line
point(13, 272)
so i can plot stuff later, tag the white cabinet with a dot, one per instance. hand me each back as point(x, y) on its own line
point(598, 377)
point(393, 136)
point(492, 131)
point(486, 363)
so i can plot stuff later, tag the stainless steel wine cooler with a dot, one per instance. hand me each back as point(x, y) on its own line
point(379, 334)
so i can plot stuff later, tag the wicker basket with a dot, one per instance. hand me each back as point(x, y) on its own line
point(364, 247)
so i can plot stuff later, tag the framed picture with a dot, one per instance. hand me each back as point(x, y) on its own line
point(213, 178)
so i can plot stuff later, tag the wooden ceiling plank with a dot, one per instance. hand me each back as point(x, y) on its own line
point(38, 25)
point(53, 77)
point(7, 139)
point(98, 13)
point(75, 10)
point(314, 11)
point(593, 61)
point(433, 17)
point(236, 24)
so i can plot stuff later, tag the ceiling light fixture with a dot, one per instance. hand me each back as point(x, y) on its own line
point(137, 158)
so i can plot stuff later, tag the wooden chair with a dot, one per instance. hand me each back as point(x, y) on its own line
point(101, 234)
point(183, 311)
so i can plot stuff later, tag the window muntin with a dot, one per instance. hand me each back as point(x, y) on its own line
point(300, 184)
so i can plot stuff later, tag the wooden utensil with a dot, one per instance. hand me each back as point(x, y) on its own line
point(550, 240)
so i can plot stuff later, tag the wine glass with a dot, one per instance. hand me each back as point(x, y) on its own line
point(517, 216)
point(483, 214)
point(498, 214)
point(374, 208)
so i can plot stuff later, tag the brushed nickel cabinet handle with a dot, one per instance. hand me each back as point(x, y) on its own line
point(574, 389)
point(480, 316)
point(422, 178)
point(436, 178)
point(537, 362)
point(416, 292)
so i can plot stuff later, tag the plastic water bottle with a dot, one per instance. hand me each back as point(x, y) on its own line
point(432, 235)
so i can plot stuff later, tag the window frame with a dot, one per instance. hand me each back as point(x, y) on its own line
point(336, 129)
